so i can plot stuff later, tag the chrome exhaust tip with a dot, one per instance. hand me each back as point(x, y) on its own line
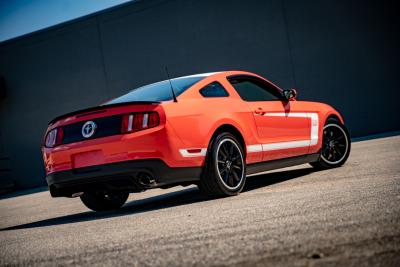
point(77, 194)
point(145, 179)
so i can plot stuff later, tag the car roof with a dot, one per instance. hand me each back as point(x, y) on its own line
point(199, 75)
point(216, 76)
point(216, 73)
point(223, 73)
point(227, 73)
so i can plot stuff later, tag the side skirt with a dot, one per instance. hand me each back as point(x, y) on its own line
point(255, 168)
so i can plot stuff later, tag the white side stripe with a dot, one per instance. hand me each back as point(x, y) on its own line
point(271, 146)
point(291, 144)
point(185, 152)
point(285, 145)
point(289, 114)
point(314, 128)
point(254, 148)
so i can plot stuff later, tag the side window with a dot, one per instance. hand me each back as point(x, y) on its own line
point(254, 89)
point(214, 89)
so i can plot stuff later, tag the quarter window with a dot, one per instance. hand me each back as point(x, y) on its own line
point(254, 89)
point(214, 89)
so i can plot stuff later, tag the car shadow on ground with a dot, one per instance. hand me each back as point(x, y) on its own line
point(163, 201)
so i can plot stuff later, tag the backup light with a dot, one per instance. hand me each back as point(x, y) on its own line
point(139, 121)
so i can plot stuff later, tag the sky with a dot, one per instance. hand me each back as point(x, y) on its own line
point(19, 17)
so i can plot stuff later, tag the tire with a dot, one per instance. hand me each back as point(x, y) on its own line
point(225, 169)
point(101, 201)
point(336, 145)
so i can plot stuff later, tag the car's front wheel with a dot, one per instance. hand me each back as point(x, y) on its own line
point(225, 169)
point(102, 201)
point(335, 145)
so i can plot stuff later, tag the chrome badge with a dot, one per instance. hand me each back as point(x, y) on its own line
point(88, 129)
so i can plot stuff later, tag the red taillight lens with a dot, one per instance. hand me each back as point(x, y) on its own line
point(54, 137)
point(139, 121)
point(60, 135)
point(153, 120)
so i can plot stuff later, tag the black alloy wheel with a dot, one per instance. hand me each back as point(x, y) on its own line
point(225, 169)
point(335, 145)
point(229, 163)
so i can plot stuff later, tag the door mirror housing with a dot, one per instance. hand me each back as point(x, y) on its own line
point(290, 94)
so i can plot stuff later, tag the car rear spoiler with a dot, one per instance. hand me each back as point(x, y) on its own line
point(86, 110)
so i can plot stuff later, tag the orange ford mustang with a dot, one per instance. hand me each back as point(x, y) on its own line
point(209, 129)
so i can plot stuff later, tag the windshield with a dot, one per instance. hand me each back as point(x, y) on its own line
point(160, 91)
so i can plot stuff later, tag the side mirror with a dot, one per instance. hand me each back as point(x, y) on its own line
point(289, 94)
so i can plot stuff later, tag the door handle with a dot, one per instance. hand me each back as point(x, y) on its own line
point(259, 111)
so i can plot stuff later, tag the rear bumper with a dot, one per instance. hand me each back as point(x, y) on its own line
point(119, 176)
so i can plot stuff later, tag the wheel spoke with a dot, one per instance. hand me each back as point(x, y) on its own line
point(222, 171)
point(236, 166)
point(226, 152)
point(340, 137)
point(232, 180)
point(231, 150)
point(338, 152)
point(223, 154)
point(236, 176)
point(334, 154)
point(325, 149)
point(226, 176)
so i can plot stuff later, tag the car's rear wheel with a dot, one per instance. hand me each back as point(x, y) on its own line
point(102, 201)
point(225, 169)
point(335, 145)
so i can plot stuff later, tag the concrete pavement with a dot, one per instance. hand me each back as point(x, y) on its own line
point(349, 216)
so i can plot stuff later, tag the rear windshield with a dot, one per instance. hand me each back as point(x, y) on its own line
point(160, 91)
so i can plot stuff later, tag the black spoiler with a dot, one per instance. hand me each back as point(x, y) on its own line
point(102, 107)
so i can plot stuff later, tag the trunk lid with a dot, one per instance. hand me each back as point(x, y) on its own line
point(106, 119)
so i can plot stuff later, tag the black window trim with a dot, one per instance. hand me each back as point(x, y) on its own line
point(214, 96)
point(281, 98)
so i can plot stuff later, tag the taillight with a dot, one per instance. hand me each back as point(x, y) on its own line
point(54, 137)
point(139, 121)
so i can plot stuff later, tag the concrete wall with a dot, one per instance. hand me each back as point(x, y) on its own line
point(341, 52)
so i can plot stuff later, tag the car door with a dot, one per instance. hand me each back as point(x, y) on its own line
point(283, 128)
